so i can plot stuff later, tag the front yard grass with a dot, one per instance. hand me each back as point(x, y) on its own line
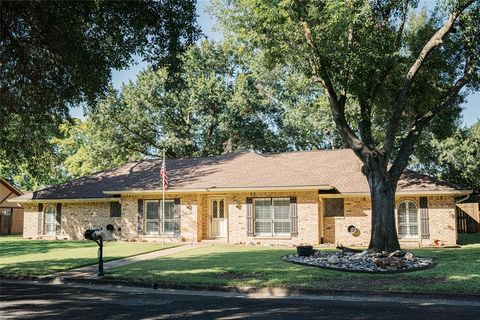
point(42, 257)
point(458, 271)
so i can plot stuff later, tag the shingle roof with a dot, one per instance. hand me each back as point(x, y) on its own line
point(340, 169)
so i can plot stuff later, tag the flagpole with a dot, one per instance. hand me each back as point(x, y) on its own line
point(163, 188)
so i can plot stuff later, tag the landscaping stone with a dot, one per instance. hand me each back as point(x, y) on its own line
point(409, 256)
point(364, 261)
point(333, 259)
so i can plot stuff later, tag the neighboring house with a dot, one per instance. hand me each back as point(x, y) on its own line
point(11, 214)
point(242, 197)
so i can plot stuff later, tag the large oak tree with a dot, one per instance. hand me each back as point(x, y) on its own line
point(401, 67)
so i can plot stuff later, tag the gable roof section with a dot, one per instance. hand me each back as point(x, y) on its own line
point(325, 169)
point(10, 186)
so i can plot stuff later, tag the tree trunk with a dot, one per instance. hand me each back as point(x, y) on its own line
point(382, 191)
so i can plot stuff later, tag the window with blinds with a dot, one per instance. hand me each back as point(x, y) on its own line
point(407, 219)
point(158, 222)
point(272, 216)
point(49, 221)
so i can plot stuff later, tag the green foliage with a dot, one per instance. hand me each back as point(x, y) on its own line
point(357, 45)
point(455, 159)
point(213, 107)
point(85, 148)
point(57, 54)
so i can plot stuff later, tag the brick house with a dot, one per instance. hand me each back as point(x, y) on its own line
point(242, 197)
point(11, 214)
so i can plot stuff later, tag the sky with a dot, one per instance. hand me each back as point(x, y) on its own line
point(471, 109)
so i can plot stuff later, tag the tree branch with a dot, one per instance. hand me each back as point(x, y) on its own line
point(407, 145)
point(365, 125)
point(337, 105)
point(143, 138)
point(397, 109)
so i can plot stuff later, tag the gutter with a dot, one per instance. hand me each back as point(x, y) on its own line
point(217, 190)
point(402, 193)
point(63, 200)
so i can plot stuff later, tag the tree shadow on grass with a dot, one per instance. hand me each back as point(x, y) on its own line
point(49, 266)
point(22, 247)
point(264, 268)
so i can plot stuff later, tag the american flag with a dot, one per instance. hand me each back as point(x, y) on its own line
point(163, 176)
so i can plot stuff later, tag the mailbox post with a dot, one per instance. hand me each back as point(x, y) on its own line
point(97, 235)
point(100, 257)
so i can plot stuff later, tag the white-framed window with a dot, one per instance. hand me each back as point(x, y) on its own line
point(49, 226)
point(407, 219)
point(157, 221)
point(272, 216)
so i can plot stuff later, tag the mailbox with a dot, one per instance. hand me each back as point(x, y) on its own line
point(97, 235)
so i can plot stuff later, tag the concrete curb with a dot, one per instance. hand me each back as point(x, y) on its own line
point(266, 291)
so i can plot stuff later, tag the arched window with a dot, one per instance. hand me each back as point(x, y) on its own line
point(49, 221)
point(407, 219)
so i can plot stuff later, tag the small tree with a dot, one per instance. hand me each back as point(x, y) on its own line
point(401, 67)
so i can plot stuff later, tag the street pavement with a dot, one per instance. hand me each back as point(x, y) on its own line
point(31, 300)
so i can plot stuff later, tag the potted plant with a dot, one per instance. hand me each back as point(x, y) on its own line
point(304, 250)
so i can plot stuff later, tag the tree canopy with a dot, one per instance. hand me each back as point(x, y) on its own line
point(214, 107)
point(58, 54)
point(455, 158)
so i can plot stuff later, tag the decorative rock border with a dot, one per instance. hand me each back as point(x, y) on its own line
point(363, 262)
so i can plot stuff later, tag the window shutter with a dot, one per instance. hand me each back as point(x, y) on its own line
point(177, 208)
point(140, 216)
point(39, 218)
point(58, 217)
point(250, 224)
point(425, 228)
point(293, 216)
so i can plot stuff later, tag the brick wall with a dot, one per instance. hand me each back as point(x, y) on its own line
point(30, 221)
point(194, 220)
point(441, 210)
point(78, 217)
point(358, 212)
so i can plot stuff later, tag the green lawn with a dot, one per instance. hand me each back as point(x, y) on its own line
point(42, 257)
point(458, 271)
point(469, 238)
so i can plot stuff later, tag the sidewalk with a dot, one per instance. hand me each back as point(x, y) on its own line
point(89, 272)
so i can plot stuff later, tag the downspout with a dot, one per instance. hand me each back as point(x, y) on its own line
point(462, 199)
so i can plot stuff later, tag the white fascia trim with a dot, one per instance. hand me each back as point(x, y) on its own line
point(63, 200)
point(216, 190)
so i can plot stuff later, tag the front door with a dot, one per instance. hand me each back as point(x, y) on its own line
point(218, 218)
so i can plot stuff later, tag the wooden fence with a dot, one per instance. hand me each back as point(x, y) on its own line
point(468, 217)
